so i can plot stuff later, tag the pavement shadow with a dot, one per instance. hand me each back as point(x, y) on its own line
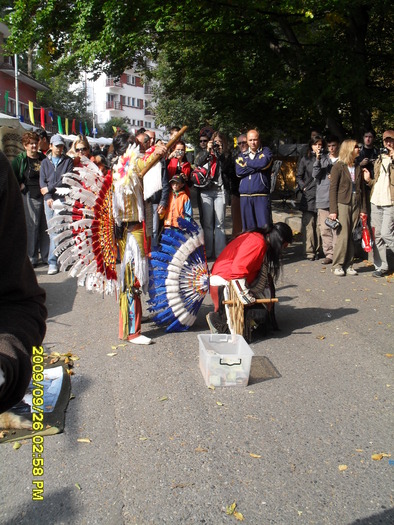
point(291, 319)
point(55, 507)
point(60, 296)
point(386, 517)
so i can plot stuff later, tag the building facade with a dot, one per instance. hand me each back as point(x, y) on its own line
point(10, 103)
point(126, 97)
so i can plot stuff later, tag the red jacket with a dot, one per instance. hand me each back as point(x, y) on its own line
point(242, 258)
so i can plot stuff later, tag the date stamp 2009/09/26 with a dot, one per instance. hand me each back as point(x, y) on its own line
point(38, 424)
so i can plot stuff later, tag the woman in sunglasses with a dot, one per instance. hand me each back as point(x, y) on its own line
point(80, 148)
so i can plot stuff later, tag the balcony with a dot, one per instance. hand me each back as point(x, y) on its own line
point(110, 82)
point(149, 112)
point(148, 89)
point(114, 104)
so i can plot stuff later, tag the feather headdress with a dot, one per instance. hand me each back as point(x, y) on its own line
point(179, 276)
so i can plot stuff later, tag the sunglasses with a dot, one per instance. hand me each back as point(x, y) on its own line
point(80, 149)
point(242, 142)
point(203, 141)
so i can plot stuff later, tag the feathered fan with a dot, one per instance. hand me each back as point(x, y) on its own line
point(179, 276)
point(84, 225)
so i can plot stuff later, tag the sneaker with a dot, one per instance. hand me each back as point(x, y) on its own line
point(351, 271)
point(210, 323)
point(379, 273)
point(327, 260)
point(339, 272)
point(52, 270)
point(217, 323)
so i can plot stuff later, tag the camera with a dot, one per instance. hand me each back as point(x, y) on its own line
point(178, 153)
point(384, 151)
point(216, 148)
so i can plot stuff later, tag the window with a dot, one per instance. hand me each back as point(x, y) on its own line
point(131, 80)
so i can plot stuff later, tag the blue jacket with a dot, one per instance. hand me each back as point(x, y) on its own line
point(255, 174)
point(51, 176)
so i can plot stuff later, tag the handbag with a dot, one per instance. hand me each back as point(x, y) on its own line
point(332, 223)
point(200, 176)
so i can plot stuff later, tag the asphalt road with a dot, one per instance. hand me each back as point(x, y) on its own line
point(274, 447)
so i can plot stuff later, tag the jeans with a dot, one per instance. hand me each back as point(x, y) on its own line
point(214, 212)
point(382, 221)
point(52, 259)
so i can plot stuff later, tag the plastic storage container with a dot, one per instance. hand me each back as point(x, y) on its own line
point(225, 359)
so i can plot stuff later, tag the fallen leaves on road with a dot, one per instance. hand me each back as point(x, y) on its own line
point(164, 398)
point(17, 445)
point(231, 511)
point(219, 403)
point(78, 486)
point(378, 457)
point(200, 449)
point(254, 455)
point(112, 354)
point(341, 468)
point(84, 440)
point(321, 337)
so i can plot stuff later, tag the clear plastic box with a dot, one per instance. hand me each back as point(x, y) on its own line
point(224, 359)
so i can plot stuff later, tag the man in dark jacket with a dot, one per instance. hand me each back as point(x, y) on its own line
point(26, 167)
point(22, 301)
point(253, 167)
point(53, 167)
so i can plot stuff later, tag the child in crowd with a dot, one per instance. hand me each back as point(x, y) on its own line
point(179, 204)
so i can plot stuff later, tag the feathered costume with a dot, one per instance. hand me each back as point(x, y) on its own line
point(96, 206)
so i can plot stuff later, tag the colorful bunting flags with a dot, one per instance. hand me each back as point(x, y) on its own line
point(66, 125)
point(6, 94)
point(42, 117)
point(31, 112)
point(59, 125)
point(73, 127)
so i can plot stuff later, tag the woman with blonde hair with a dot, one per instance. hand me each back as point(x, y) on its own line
point(80, 148)
point(347, 204)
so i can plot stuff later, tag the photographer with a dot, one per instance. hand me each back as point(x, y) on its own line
point(178, 164)
point(382, 204)
point(217, 160)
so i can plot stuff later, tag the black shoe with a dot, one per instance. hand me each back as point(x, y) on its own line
point(379, 273)
point(217, 324)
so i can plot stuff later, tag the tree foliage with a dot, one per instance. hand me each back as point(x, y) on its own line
point(280, 66)
point(119, 123)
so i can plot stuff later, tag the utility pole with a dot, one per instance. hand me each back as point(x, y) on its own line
point(16, 86)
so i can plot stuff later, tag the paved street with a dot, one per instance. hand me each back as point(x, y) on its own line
point(165, 449)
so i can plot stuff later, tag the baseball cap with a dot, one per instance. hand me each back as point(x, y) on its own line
point(57, 140)
point(178, 179)
point(388, 134)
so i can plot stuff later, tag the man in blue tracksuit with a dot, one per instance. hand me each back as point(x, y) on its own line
point(253, 167)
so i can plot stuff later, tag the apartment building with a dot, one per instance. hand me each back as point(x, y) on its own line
point(127, 97)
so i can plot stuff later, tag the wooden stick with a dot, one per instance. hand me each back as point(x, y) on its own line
point(169, 145)
point(258, 301)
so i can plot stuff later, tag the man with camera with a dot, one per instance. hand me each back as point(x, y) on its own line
point(382, 204)
point(253, 167)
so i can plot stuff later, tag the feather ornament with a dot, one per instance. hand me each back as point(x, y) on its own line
point(84, 228)
point(179, 277)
